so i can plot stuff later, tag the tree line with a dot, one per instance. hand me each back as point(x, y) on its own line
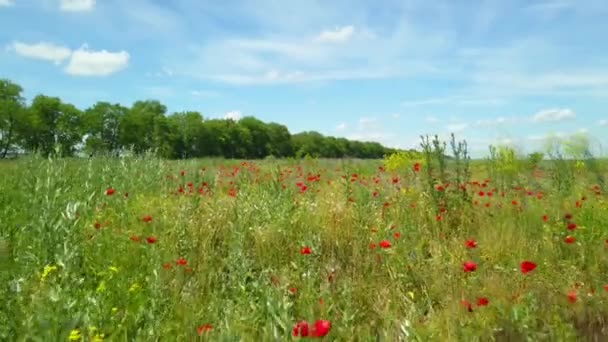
point(50, 126)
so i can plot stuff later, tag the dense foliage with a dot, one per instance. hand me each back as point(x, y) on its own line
point(50, 126)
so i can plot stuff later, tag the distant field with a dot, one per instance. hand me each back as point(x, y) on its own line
point(219, 250)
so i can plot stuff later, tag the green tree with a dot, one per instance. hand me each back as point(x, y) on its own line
point(102, 127)
point(12, 111)
point(140, 128)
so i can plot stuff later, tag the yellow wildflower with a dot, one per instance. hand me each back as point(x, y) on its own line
point(113, 269)
point(114, 310)
point(98, 337)
point(75, 335)
point(48, 269)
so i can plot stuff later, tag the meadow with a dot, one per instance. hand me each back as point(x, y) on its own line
point(433, 249)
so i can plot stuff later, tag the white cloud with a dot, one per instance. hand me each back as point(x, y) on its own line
point(457, 127)
point(235, 115)
point(338, 35)
point(368, 123)
point(43, 50)
point(462, 100)
point(341, 127)
point(554, 115)
point(6, 3)
point(205, 93)
point(603, 123)
point(77, 5)
point(85, 62)
point(432, 120)
point(499, 121)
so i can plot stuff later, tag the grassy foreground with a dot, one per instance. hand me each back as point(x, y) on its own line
point(145, 249)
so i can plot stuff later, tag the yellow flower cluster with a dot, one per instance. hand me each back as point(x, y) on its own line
point(48, 269)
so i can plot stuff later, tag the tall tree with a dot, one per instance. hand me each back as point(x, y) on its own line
point(102, 127)
point(139, 127)
point(12, 111)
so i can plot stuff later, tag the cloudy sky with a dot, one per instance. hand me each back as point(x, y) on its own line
point(491, 71)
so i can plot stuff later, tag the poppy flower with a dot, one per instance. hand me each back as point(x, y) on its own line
point(483, 301)
point(134, 238)
point(527, 266)
point(469, 266)
point(321, 328)
point(545, 218)
point(293, 290)
point(569, 239)
point(572, 296)
point(385, 244)
point(568, 216)
point(467, 305)
point(301, 329)
point(147, 219)
point(372, 246)
point(416, 167)
point(181, 262)
point(572, 226)
point(471, 243)
point(151, 239)
point(110, 192)
point(306, 250)
point(203, 328)
point(397, 235)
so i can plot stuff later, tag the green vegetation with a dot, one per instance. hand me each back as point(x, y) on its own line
point(420, 247)
point(49, 126)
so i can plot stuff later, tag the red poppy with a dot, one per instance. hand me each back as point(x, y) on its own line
point(151, 239)
point(481, 194)
point(385, 244)
point(569, 239)
point(514, 202)
point(471, 243)
point(572, 296)
point(416, 167)
point(568, 216)
point(293, 290)
point(110, 192)
point(467, 305)
point(147, 218)
point(572, 226)
point(469, 266)
point(321, 328)
point(134, 238)
point(372, 245)
point(397, 235)
point(232, 192)
point(527, 266)
point(97, 225)
point(545, 218)
point(203, 328)
point(181, 262)
point(167, 266)
point(483, 301)
point(306, 250)
point(300, 329)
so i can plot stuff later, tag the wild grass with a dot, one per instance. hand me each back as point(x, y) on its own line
point(227, 261)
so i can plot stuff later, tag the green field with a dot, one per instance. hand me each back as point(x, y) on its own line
point(224, 250)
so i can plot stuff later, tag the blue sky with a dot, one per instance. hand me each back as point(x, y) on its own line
point(490, 71)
